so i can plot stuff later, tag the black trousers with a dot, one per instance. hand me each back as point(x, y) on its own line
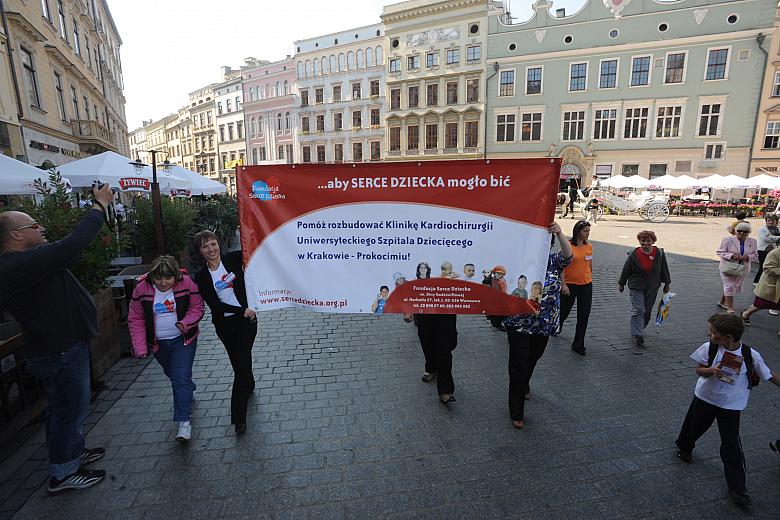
point(438, 335)
point(698, 420)
point(238, 335)
point(761, 258)
point(524, 352)
point(583, 295)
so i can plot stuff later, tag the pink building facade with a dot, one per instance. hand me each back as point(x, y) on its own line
point(270, 101)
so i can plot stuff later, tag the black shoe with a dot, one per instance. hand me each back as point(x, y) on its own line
point(740, 498)
point(90, 455)
point(447, 398)
point(82, 479)
point(427, 377)
point(640, 340)
point(775, 446)
point(240, 428)
point(685, 456)
point(578, 350)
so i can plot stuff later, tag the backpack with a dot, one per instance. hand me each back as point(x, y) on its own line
point(747, 357)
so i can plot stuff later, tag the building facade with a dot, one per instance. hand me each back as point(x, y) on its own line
point(67, 69)
point(178, 131)
point(341, 90)
point(644, 88)
point(204, 132)
point(765, 153)
point(436, 77)
point(269, 112)
point(230, 127)
point(11, 142)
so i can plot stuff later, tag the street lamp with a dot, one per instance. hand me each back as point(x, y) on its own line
point(156, 202)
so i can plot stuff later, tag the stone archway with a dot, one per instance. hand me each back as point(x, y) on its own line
point(575, 165)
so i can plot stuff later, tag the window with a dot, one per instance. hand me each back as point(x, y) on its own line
point(635, 123)
point(254, 155)
point(61, 16)
point(208, 118)
point(709, 119)
point(471, 134)
point(357, 152)
point(219, 107)
point(376, 150)
point(356, 91)
point(305, 123)
point(395, 138)
point(776, 85)
point(432, 90)
point(608, 74)
point(320, 153)
point(304, 98)
point(472, 90)
point(338, 121)
point(45, 9)
point(533, 80)
point(603, 171)
point(657, 170)
point(320, 121)
point(675, 68)
point(227, 106)
point(318, 95)
point(262, 153)
point(630, 169)
point(574, 125)
point(452, 93)
point(772, 137)
point(578, 77)
point(682, 166)
point(60, 96)
point(374, 88)
point(531, 127)
point(432, 59)
point(451, 135)
point(375, 117)
point(717, 60)
point(506, 85)
point(395, 99)
point(431, 136)
point(357, 119)
point(413, 62)
point(211, 164)
point(453, 56)
point(30, 80)
point(76, 39)
point(714, 151)
point(89, 51)
point(395, 65)
point(414, 96)
point(604, 123)
point(240, 127)
point(473, 53)
point(505, 128)
point(640, 71)
point(338, 153)
point(211, 143)
point(668, 121)
point(221, 133)
point(413, 137)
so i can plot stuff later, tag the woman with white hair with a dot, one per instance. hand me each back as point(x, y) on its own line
point(736, 255)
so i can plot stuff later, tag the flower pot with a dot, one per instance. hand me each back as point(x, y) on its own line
point(104, 350)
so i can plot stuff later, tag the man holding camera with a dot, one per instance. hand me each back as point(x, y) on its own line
point(58, 319)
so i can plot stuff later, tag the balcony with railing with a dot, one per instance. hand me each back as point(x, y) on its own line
point(94, 137)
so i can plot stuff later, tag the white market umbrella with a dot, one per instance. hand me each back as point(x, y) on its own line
point(716, 182)
point(764, 181)
point(16, 177)
point(200, 185)
point(665, 181)
point(619, 181)
point(117, 171)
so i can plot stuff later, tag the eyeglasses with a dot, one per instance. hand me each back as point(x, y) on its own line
point(34, 225)
point(743, 231)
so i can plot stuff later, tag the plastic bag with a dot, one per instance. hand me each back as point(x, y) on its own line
point(663, 308)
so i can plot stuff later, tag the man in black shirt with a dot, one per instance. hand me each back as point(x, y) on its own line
point(58, 318)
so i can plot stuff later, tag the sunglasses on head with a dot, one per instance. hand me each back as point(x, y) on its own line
point(34, 225)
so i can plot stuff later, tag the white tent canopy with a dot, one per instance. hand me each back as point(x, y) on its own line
point(117, 171)
point(16, 177)
point(764, 181)
point(200, 185)
point(619, 181)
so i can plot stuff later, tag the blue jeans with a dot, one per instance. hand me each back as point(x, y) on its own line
point(176, 360)
point(65, 376)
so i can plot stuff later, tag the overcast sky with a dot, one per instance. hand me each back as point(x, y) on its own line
point(173, 47)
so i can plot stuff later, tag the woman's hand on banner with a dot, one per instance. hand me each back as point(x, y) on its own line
point(555, 228)
point(565, 289)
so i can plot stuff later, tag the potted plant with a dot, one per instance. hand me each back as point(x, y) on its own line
point(178, 216)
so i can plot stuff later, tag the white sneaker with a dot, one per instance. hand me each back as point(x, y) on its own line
point(185, 431)
point(774, 312)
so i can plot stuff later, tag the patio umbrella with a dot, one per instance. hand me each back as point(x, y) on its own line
point(619, 181)
point(764, 181)
point(200, 185)
point(116, 170)
point(16, 177)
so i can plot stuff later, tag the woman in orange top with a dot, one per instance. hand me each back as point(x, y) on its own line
point(578, 277)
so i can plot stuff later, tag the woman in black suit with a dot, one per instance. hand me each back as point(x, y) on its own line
point(221, 283)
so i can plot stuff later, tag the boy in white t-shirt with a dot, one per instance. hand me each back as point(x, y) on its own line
point(726, 376)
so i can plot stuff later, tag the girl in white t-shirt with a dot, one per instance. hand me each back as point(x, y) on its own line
point(722, 392)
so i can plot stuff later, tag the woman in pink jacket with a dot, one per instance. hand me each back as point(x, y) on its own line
point(741, 249)
point(163, 318)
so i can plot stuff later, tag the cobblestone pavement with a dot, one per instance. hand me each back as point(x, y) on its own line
point(342, 427)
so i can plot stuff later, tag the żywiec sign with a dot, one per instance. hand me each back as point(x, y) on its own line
point(134, 184)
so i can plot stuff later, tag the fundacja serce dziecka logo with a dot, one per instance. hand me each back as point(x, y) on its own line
point(267, 190)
